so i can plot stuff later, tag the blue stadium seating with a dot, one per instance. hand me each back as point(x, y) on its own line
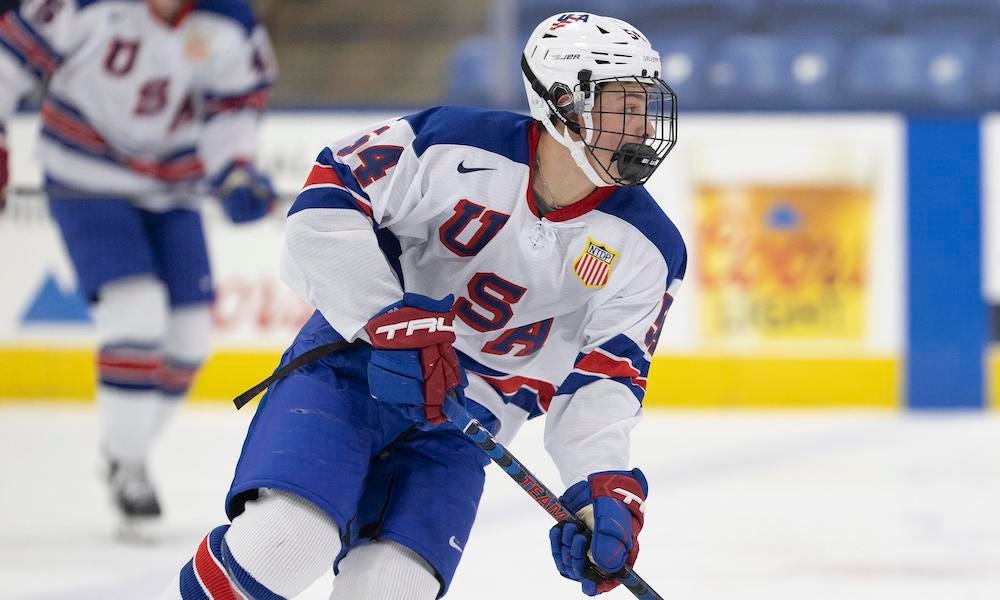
point(829, 16)
point(685, 61)
point(652, 17)
point(813, 69)
point(988, 76)
point(745, 72)
point(685, 17)
point(774, 72)
point(899, 72)
point(802, 54)
point(470, 80)
point(980, 18)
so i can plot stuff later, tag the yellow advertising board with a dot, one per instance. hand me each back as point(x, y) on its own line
point(782, 262)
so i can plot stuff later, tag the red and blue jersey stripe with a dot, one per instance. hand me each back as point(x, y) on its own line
point(255, 99)
point(531, 395)
point(331, 184)
point(619, 359)
point(22, 41)
point(67, 126)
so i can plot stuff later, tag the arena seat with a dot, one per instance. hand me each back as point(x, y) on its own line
point(903, 71)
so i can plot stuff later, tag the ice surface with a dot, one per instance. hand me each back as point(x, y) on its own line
point(744, 506)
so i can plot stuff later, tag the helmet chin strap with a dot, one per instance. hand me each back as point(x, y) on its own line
point(578, 151)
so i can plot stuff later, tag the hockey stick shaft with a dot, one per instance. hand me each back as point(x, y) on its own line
point(533, 487)
point(72, 193)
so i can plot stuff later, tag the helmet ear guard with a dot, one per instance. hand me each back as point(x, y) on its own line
point(561, 100)
point(564, 102)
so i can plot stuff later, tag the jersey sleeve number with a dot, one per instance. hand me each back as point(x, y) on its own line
point(375, 160)
point(375, 163)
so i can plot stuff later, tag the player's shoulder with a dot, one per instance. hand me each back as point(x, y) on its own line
point(237, 12)
point(637, 207)
point(498, 131)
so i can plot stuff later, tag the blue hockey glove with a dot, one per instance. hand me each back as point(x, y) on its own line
point(612, 503)
point(247, 194)
point(413, 365)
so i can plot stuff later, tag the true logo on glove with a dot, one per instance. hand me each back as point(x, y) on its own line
point(428, 324)
point(628, 497)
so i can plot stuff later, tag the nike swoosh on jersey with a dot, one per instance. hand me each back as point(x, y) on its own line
point(463, 169)
point(454, 544)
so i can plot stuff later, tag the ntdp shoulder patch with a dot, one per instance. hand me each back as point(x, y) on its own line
point(593, 266)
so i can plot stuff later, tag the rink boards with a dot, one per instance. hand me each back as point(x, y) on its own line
point(795, 295)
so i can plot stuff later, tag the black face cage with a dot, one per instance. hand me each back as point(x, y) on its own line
point(636, 157)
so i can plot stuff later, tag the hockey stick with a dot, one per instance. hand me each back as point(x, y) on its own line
point(305, 358)
point(68, 192)
point(72, 193)
point(534, 488)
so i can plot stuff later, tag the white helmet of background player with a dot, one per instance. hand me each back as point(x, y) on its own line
point(569, 61)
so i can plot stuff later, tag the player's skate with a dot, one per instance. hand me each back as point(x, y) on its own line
point(134, 498)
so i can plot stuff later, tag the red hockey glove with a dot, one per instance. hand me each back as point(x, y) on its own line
point(413, 365)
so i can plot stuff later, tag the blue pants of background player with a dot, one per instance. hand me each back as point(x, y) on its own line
point(319, 434)
point(109, 239)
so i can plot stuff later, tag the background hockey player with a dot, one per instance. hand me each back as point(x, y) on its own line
point(513, 261)
point(147, 103)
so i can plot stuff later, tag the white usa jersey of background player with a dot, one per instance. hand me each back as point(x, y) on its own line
point(122, 113)
point(549, 309)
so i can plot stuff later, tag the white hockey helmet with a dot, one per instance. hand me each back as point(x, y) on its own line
point(568, 60)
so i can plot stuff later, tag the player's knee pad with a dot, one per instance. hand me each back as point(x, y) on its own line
point(187, 345)
point(131, 321)
point(131, 308)
point(279, 545)
point(385, 570)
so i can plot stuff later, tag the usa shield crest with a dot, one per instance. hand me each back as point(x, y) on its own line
point(593, 266)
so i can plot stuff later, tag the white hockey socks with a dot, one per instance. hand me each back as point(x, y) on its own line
point(384, 570)
point(187, 345)
point(147, 360)
point(275, 549)
point(131, 322)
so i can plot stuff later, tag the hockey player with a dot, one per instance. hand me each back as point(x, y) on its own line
point(514, 262)
point(146, 104)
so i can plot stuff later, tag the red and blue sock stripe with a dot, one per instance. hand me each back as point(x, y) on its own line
point(130, 366)
point(177, 375)
point(214, 574)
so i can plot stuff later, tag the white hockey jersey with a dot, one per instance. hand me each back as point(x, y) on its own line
point(556, 314)
point(135, 104)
